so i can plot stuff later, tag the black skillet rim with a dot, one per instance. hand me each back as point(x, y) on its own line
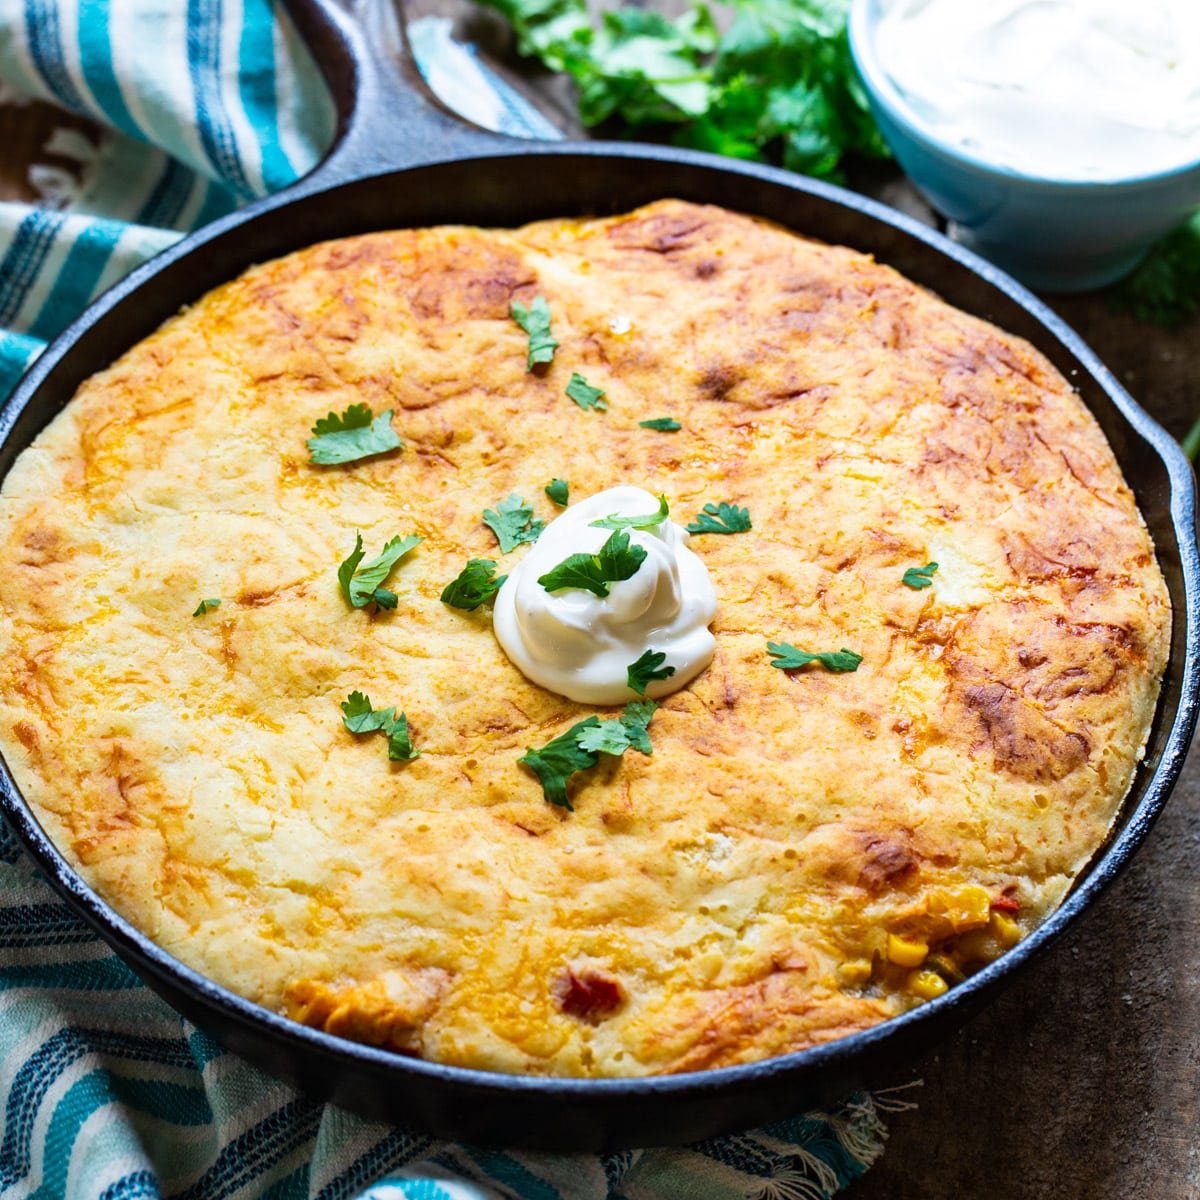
point(950, 1009)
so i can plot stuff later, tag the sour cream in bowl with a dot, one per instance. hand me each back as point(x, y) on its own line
point(1061, 137)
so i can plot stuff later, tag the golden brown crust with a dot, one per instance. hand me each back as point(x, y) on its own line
point(729, 897)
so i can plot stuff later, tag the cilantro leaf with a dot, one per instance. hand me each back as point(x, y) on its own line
point(635, 716)
point(786, 657)
point(535, 320)
point(576, 750)
point(206, 606)
point(559, 759)
point(512, 522)
point(359, 717)
point(400, 747)
point(361, 585)
point(473, 585)
point(605, 737)
point(647, 669)
point(586, 396)
point(919, 577)
point(721, 518)
point(352, 436)
point(662, 424)
point(644, 521)
point(350, 565)
point(616, 560)
point(558, 490)
point(629, 731)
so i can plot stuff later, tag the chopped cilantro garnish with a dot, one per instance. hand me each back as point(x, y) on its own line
point(786, 657)
point(512, 522)
point(647, 669)
point(558, 490)
point(359, 717)
point(662, 424)
point(352, 436)
point(605, 737)
point(400, 746)
point(920, 577)
point(721, 518)
point(585, 395)
point(473, 586)
point(361, 585)
point(616, 560)
point(559, 759)
point(535, 320)
point(206, 606)
point(644, 521)
point(635, 717)
point(577, 749)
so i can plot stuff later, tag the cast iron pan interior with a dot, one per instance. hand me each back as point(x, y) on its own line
point(452, 173)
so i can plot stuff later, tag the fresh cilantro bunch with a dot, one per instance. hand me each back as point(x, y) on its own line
point(778, 84)
point(1165, 288)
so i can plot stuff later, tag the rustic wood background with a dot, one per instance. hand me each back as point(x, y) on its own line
point(1083, 1080)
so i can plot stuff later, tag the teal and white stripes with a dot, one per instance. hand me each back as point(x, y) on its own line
point(210, 103)
point(106, 1092)
point(223, 86)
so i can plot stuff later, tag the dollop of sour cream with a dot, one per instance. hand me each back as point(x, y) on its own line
point(581, 645)
point(1058, 89)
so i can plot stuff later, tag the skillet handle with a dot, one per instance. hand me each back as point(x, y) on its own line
point(387, 116)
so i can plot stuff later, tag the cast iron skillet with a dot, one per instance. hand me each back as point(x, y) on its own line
point(452, 173)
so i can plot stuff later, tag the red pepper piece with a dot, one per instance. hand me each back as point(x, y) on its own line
point(1006, 904)
point(589, 995)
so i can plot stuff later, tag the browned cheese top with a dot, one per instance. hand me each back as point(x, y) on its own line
point(772, 876)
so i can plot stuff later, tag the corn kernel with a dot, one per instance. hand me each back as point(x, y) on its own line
point(1004, 929)
point(927, 984)
point(969, 908)
point(905, 953)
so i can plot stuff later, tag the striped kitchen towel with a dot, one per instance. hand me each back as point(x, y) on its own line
point(107, 1092)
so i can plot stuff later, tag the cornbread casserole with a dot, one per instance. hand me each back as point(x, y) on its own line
point(804, 854)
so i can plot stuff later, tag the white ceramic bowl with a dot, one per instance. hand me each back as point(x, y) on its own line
point(1054, 235)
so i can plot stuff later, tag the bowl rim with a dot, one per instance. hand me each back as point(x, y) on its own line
point(861, 21)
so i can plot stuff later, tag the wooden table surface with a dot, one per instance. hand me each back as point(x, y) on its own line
point(1083, 1080)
